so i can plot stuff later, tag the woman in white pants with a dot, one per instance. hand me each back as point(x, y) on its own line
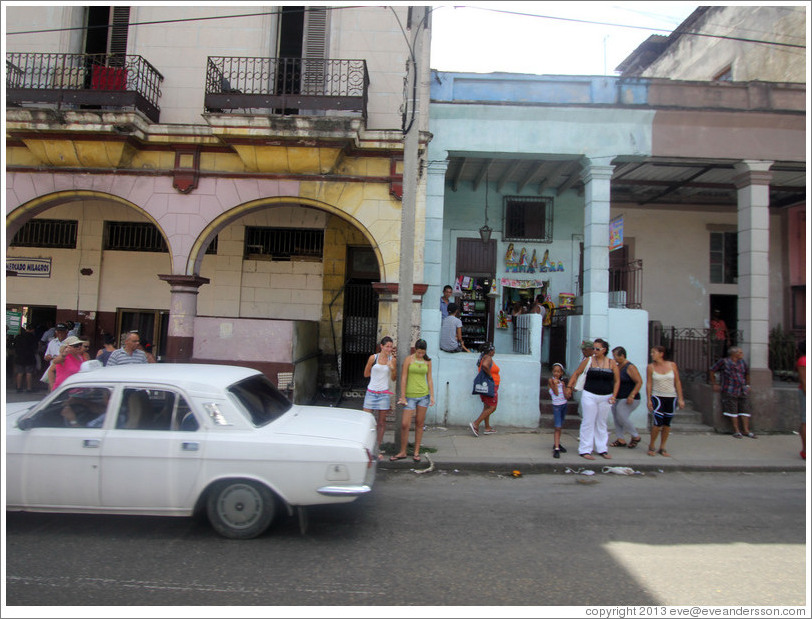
point(600, 392)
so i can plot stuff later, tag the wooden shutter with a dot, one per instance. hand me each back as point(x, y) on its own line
point(475, 258)
point(314, 50)
point(119, 27)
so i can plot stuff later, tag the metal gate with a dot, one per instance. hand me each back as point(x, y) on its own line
point(360, 333)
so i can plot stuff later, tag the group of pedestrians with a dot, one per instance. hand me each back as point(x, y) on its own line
point(613, 385)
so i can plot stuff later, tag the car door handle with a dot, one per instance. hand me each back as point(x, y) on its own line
point(91, 442)
point(190, 446)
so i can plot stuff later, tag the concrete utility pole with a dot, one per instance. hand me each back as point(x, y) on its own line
point(418, 25)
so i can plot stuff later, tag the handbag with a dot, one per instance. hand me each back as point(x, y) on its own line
point(579, 384)
point(483, 385)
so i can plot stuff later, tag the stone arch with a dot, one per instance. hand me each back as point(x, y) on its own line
point(198, 249)
point(41, 204)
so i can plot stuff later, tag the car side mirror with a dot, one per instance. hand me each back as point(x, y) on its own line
point(25, 424)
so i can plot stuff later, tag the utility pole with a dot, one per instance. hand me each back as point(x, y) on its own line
point(418, 24)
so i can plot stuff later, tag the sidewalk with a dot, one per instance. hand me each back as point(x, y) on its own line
point(532, 452)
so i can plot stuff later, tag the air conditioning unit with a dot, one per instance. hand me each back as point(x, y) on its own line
point(617, 299)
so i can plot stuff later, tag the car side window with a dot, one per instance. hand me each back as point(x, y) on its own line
point(184, 419)
point(155, 409)
point(76, 407)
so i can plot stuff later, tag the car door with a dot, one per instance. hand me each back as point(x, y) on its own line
point(60, 449)
point(151, 458)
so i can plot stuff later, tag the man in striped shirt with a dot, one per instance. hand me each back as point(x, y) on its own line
point(129, 353)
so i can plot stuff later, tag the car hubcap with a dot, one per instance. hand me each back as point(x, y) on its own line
point(239, 505)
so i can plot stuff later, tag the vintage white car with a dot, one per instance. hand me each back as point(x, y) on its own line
point(180, 439)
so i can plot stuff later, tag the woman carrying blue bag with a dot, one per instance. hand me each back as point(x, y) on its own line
point(487, 365)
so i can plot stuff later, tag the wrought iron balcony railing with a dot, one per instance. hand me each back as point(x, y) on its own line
point(91, 80)
point(286, 85)
point(626, 285)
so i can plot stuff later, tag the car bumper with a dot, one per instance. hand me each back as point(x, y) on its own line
point(344, 490)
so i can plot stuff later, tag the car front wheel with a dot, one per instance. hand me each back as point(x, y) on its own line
point(240, 509)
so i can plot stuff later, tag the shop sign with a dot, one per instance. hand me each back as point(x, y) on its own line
point(29, 267)
point(13, 322)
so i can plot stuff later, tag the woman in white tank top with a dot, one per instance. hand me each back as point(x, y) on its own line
point(663, 392)
point(380, 370)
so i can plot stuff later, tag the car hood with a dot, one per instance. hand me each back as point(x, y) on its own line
point(324, 422)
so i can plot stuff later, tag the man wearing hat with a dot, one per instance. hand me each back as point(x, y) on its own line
point(129, 352)
point(67, 362)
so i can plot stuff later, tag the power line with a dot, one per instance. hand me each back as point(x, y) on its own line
point(175, 21)
point(504, 12)
point(600, 23)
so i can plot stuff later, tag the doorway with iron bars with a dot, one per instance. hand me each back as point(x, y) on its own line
point(360, 326)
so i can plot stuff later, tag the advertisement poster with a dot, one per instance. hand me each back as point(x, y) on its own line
point(616, 233)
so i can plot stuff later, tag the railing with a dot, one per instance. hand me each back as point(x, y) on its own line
point(693, 350)
point(521, 334)
point(783, 354)
point(626, 285)
point(286, 85)
point(98, 80)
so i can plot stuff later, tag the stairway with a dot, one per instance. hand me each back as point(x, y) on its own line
point(686, 420)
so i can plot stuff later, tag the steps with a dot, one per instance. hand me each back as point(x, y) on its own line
point(686, 420)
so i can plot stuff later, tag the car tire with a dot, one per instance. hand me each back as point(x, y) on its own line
point(240, 508)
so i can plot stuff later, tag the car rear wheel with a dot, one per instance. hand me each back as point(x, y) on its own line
point(240, 509)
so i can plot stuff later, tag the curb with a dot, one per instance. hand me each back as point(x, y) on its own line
point(529, 467)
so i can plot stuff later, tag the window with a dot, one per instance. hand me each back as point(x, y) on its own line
point(528, 219)
point(259, 400)
point(155, 409)
point(283, 243)
point(133, 236)
point(75, 407)
point(724, 258)
point(51, 233)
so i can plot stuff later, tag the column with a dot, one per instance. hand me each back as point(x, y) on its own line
point(182, 314)
point(753, 185)
point(597, 186)
point(433, 252)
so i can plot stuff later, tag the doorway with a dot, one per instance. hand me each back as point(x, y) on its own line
point(728, 307)
point(360, 326)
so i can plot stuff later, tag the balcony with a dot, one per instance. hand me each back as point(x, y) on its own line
point(626, 285)
point(91, 81)
point(291, 86)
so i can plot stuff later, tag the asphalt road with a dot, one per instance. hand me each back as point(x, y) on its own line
point(445, 539)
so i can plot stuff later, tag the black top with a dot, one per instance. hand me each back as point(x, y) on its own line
point(600, 381)
point(626, 384)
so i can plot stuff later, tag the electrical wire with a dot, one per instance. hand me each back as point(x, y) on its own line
point(501, 11)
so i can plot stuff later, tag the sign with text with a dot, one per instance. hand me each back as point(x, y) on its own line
point(29, 267)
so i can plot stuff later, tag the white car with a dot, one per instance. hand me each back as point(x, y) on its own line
point(178, 439)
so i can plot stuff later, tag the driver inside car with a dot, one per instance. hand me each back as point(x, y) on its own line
point(88, 410)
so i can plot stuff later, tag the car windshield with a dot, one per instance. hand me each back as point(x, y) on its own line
point(261, 401)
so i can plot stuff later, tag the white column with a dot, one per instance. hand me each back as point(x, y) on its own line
point(433, 251)
point(597, 186)
point(753, 185)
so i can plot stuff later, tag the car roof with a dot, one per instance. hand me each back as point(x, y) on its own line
point(191, 376)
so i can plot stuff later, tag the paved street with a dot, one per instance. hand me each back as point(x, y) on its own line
point(446, 538)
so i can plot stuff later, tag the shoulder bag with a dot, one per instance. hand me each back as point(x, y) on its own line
point(483, 385)
point(579, 384)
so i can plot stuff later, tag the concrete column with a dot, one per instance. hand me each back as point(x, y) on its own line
point(182, 314)
point(433, 252)
point(753, 185)
point(597, 185)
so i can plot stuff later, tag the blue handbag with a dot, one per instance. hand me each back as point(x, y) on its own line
point(483, 385)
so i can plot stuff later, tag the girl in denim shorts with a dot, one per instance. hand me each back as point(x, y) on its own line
point(416, 394)
point(380, 369)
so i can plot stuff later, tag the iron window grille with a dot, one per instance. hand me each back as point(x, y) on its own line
point(133, 236)
point(283, 243)
point(50, 233)
point(528, 219)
